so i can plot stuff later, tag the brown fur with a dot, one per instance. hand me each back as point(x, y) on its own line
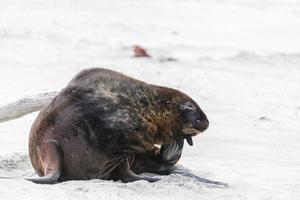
point(105, 124)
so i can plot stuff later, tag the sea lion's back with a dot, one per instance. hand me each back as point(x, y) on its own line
point(99, 78)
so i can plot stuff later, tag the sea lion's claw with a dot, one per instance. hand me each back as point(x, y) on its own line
point(171, 153)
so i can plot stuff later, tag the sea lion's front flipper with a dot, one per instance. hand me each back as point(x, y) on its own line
point(159, 161)
point(51, 158)
point(179, 169)
point(127, 175)
point(171, 153)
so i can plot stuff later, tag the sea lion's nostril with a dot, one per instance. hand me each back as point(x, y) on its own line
point(198, 122)
point(201, 125)
point(206, 124)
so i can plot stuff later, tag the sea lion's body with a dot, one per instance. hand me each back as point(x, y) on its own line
point(103, 125)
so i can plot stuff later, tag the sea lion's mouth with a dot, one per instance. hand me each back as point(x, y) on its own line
point(189, 133)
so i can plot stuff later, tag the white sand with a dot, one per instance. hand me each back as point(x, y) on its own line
point(240, 60)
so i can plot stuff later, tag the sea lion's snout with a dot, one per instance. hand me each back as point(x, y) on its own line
point(195, 121)
point(201, 125)
point(198, 126)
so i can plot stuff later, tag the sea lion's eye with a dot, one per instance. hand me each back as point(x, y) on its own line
point(188, 112)
point(185, 107)
point(188, 106)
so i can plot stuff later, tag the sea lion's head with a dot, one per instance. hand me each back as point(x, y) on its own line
point(180, 115)
point(193, 119)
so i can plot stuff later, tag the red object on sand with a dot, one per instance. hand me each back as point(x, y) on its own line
point(139, 51)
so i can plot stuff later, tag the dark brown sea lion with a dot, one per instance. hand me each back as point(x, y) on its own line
point(104, 125)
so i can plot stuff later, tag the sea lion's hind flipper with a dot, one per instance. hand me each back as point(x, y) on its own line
point(126, 175)
point(51, 157)
point(50, 178)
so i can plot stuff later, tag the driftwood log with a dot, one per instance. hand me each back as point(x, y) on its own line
point(25, 106)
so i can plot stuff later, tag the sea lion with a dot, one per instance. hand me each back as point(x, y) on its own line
point(106, 125)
